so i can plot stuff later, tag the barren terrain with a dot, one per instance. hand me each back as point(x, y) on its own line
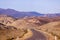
point(29, 28)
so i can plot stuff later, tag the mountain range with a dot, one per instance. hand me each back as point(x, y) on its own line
point(15, 13)
point(32, 27)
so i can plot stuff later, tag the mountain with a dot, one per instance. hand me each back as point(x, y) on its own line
point(15, 13)
point(53, 15)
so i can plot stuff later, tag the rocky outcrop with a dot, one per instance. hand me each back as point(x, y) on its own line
point(7, 20)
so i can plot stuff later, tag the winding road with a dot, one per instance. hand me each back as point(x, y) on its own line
point(37, 35)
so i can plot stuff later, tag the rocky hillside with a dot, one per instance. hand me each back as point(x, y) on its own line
point(29, 28)
point(7, 20)
point(9, 32)
point(52, 28)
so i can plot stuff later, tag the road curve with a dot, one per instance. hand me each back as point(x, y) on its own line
point(37, 35)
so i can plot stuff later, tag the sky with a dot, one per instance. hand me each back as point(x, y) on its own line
point(41, 6)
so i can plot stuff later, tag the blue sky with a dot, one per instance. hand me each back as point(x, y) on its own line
point(41, 6)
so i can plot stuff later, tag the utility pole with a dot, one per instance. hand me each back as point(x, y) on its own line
point(55, 37)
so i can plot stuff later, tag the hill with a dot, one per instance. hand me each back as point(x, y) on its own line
point(6, 19)
point(29, 28)
point(52, 28)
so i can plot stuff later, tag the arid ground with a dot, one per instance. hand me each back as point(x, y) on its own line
point(29, 28)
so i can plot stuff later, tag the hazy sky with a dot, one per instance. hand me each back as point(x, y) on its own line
point(42, 6)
